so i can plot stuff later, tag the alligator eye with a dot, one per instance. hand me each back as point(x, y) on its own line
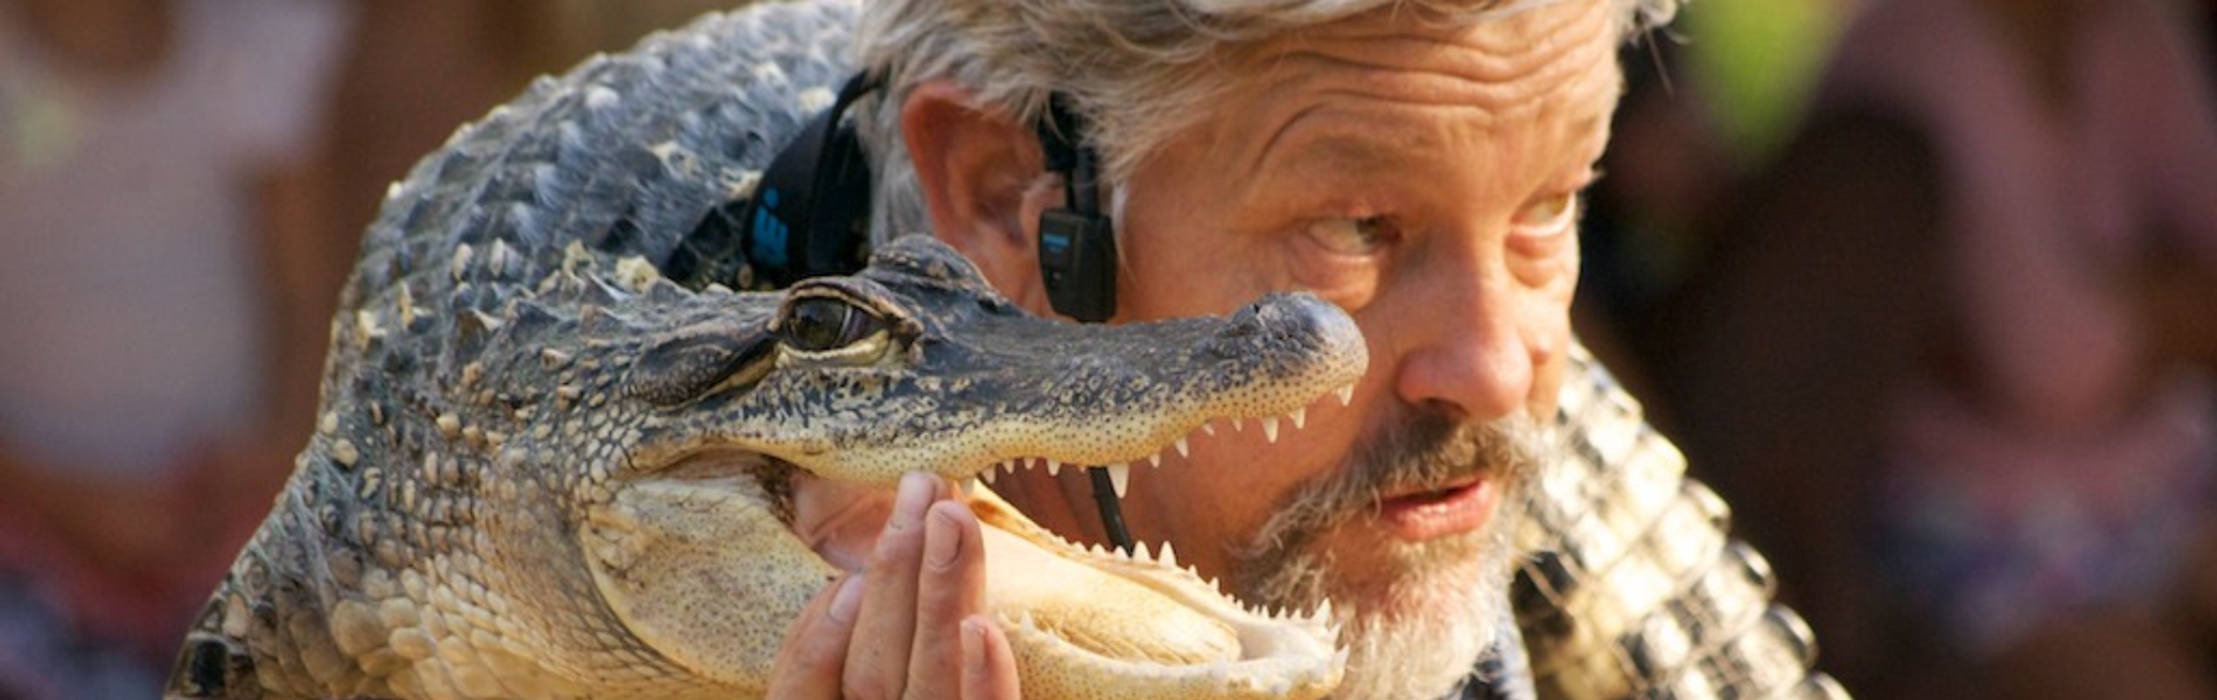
point(823, 324)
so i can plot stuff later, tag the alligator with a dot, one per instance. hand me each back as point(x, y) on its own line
point(563, 421)
point(544, 469)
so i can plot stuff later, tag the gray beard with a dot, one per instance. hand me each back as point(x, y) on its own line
point(1444, 608)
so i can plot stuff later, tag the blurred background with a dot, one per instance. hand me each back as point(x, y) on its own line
point(1927, 289)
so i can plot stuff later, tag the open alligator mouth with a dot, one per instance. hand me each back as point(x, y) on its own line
point(1092, 617)
point(1084, 621)
point(1120, 473)
point(1095, 617)
point(902, 369)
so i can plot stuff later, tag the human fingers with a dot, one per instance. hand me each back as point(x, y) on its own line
point(877, 656)
point(950, 587)
point(809, 665)
point(988, 664)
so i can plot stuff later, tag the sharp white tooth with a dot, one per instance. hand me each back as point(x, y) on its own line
point(1347, 395)
point(1324, 611)
point(1155, 460)
point(988, 475)
point(1270, 428)
point(1300, 417)
point(1209, 427)
point(1053, 467)
point(1184, 450)
point(1236, 424)
point(1121, 475)
point(1139, 553)
point(1168, 558)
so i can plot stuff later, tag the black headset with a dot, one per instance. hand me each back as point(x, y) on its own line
point(810, 217)
point(810, 213)
point(1077, 243)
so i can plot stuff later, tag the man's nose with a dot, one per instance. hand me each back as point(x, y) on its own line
point(1460, 344)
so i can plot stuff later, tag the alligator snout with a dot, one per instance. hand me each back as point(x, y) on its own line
point(1296, 323)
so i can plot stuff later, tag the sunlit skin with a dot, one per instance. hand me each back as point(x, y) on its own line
point(1424, 179)
point(1427, 185)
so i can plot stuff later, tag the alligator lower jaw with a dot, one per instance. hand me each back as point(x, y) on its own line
point(1088, 621)
point(1083, 620)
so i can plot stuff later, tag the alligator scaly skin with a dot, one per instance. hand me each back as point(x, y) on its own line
point(1634, 588)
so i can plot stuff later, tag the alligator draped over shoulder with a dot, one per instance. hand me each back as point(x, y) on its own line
point(555, 454)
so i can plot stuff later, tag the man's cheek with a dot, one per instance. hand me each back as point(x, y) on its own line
point(1548, 338)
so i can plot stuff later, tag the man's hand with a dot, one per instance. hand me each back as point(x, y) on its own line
point(911, 625)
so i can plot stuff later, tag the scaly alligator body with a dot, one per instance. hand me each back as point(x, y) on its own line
point(544, 470)
point(1633, 587)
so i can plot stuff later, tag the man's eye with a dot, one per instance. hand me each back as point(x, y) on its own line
point(1350, 236)
point(1549, 215)
point(823, 324)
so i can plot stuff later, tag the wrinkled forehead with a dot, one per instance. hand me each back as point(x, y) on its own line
point(1530, 51)
point(1551, 68)
point(1302, 14)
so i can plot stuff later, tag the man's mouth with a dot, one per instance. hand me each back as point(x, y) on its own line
point(1442, 512)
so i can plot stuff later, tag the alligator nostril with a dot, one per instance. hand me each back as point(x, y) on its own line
point(1270, 312)
point(1320, 318)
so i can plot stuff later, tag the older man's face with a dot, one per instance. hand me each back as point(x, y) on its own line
point(1427, 181)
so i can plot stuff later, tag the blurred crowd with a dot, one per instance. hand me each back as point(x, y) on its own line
point(1937, 315)
point(1927, 289)
point(181, 186)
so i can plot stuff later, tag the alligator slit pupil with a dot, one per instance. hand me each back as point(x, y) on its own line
point(820, 324)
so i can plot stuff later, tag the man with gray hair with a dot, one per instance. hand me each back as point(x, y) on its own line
point(1419, 163)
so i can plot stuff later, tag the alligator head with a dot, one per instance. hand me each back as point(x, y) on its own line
point(917, 364)
point(591, 492)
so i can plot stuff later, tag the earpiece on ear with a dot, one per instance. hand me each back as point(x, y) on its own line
point(1077, 263)
point(1077, 243)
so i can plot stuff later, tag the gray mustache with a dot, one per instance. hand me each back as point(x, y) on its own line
point(1423, 451)
point(1429, 450)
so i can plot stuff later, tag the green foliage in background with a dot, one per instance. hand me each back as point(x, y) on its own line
point(1756, 63)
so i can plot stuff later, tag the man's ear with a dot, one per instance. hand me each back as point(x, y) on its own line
point(982, 177)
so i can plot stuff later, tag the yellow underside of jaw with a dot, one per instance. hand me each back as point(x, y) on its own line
point(1092, 609)
point(1079, 618)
